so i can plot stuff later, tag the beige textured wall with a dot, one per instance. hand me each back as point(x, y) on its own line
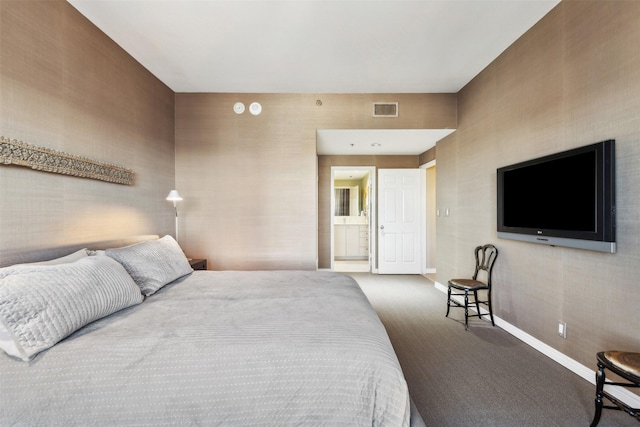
point(427, 156)
point(570, 81)
point(64, 85)
point(251, 182)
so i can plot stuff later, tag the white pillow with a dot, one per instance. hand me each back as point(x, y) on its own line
point(42, 304)
point(154, 263)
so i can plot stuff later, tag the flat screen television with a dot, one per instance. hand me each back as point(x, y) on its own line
point(564, 199)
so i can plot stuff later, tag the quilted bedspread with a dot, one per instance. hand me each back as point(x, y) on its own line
point(223, 348)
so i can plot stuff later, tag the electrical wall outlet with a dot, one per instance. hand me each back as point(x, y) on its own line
point(562, 329)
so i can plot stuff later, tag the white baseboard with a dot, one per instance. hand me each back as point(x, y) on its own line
point(440, 287)
point(588, 374)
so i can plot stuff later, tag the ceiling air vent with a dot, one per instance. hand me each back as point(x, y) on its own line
point(385, 109)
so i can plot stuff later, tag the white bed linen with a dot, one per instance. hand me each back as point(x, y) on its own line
point(219, 348)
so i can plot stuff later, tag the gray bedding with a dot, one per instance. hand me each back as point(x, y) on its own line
point(219, 348)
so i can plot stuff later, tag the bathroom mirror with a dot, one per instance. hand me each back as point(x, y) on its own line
point(347, 201)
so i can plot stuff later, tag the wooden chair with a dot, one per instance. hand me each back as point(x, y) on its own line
point(627, 366)
point(485, 258)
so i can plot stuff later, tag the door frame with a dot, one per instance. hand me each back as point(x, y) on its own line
point(431, 215)
point(373, 208)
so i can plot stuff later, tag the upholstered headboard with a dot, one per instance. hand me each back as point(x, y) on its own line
point(44, 254)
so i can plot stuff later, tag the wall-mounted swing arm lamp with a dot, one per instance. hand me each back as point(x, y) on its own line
point(174, 197)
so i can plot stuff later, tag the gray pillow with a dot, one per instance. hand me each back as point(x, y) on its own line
point(42, 304)
point(62, 260)
point(153, 264)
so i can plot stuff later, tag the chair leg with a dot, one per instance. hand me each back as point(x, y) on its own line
point(490, 310)
point(448, 301)
point(475, 298)
point(600, 379)
point(466, 310)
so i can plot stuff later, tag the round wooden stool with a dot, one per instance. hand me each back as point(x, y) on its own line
point(627, 366)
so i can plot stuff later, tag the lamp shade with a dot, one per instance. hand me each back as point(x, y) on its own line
point(174, 196)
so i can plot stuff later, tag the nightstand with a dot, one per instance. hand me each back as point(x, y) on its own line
point(198, 264)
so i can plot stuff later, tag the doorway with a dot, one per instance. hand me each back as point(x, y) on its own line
point(353, 191)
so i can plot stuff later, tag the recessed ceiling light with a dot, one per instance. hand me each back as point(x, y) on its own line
point(255, 108)
point(376, 144)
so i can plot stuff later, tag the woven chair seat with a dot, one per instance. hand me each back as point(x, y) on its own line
point(622, 363)
point(468, 284)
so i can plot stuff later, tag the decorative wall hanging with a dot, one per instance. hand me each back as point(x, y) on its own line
point(15, 152)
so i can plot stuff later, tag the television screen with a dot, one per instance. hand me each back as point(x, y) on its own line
point(558, 194)
point(565, 199)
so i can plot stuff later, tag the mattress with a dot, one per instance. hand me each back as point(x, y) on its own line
point(237, 348)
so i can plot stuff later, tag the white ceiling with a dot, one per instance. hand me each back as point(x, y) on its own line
point(315, 46)
point(377, 142)
point(349, 174)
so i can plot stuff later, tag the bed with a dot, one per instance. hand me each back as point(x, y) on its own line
point(238, 348)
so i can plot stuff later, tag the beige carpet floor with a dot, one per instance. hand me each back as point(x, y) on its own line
point(480, 377)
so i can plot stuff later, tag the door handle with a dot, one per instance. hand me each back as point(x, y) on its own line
point(382, 227)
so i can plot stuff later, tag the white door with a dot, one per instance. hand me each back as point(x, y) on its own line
point(401, 227)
